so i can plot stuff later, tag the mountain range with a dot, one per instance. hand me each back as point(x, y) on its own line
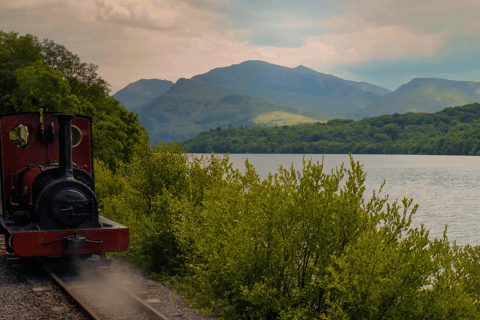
point(422, 95)
point(259, 93)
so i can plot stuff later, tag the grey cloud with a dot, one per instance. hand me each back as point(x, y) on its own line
point(135, 19)
point(124, 47)
point(260, 21)
point(427, 15)
point(133, 44)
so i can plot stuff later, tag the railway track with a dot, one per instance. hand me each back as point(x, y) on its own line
point(100, 295)
point(104, 297)
point(115, 292)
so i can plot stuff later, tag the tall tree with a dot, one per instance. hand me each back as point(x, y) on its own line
point(42, 74)
point(83, 77)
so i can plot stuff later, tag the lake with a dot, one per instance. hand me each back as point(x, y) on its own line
point(446, 188)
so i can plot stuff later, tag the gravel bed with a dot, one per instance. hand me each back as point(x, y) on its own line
point(18, 300)
point(29, 294)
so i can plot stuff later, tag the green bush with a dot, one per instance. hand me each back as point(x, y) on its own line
point(297, 245)
point(306, 245)
point(146, 195)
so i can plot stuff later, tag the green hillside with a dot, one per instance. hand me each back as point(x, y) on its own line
point(452, 131)
point(423, 95)
point(191, 107)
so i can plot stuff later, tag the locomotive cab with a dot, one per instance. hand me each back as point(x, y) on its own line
point(47, 187)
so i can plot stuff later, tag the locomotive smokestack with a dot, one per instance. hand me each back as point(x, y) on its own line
point(65, 145)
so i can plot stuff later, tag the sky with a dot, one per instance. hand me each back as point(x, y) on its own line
point(383, 42)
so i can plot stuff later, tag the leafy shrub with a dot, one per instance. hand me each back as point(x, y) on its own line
point(145, 195)
point(306, 245)
point(298, 245)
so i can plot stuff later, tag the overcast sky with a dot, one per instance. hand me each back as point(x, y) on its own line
point(384, 42)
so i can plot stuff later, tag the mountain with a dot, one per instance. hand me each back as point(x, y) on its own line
point(191, 107)
point(422, 95)
point(141, 91)
point(298, 87)
point(365, 86)
point(246, 94)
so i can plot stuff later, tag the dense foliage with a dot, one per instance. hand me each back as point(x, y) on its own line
point(42, 74)
point(143, 195)
point(453, 131)
point(298, 245)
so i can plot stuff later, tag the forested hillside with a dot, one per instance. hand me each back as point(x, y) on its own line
point(42, 74)
point(452, 131)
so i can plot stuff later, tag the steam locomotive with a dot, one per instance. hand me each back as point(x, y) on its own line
point(47, 191)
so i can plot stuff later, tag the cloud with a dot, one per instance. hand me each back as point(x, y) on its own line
point(453, 17)
point(169, 39)
point(130, 40)
point(384, 42)
point(356, 30)
point(135, 14)
point(127, 39)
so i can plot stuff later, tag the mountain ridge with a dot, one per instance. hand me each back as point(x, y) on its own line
point(423, 95)
point(284, 85)
point(141, 91)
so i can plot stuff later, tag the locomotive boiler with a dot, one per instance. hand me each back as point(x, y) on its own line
point(48, 204)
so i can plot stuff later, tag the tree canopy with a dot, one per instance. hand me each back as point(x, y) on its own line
point(42, 74)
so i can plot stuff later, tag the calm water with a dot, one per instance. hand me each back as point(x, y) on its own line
point(446, 188)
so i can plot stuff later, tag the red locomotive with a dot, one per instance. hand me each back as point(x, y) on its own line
point(48, 205)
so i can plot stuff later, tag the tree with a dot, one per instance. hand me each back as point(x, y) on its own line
point(15, 52)
point(46, 75)
point(39, 86)
point(392, 130)
point(83, 77)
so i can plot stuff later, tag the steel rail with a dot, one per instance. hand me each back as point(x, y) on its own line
point(136, 302)
point(75, 297)
point(139, 303)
